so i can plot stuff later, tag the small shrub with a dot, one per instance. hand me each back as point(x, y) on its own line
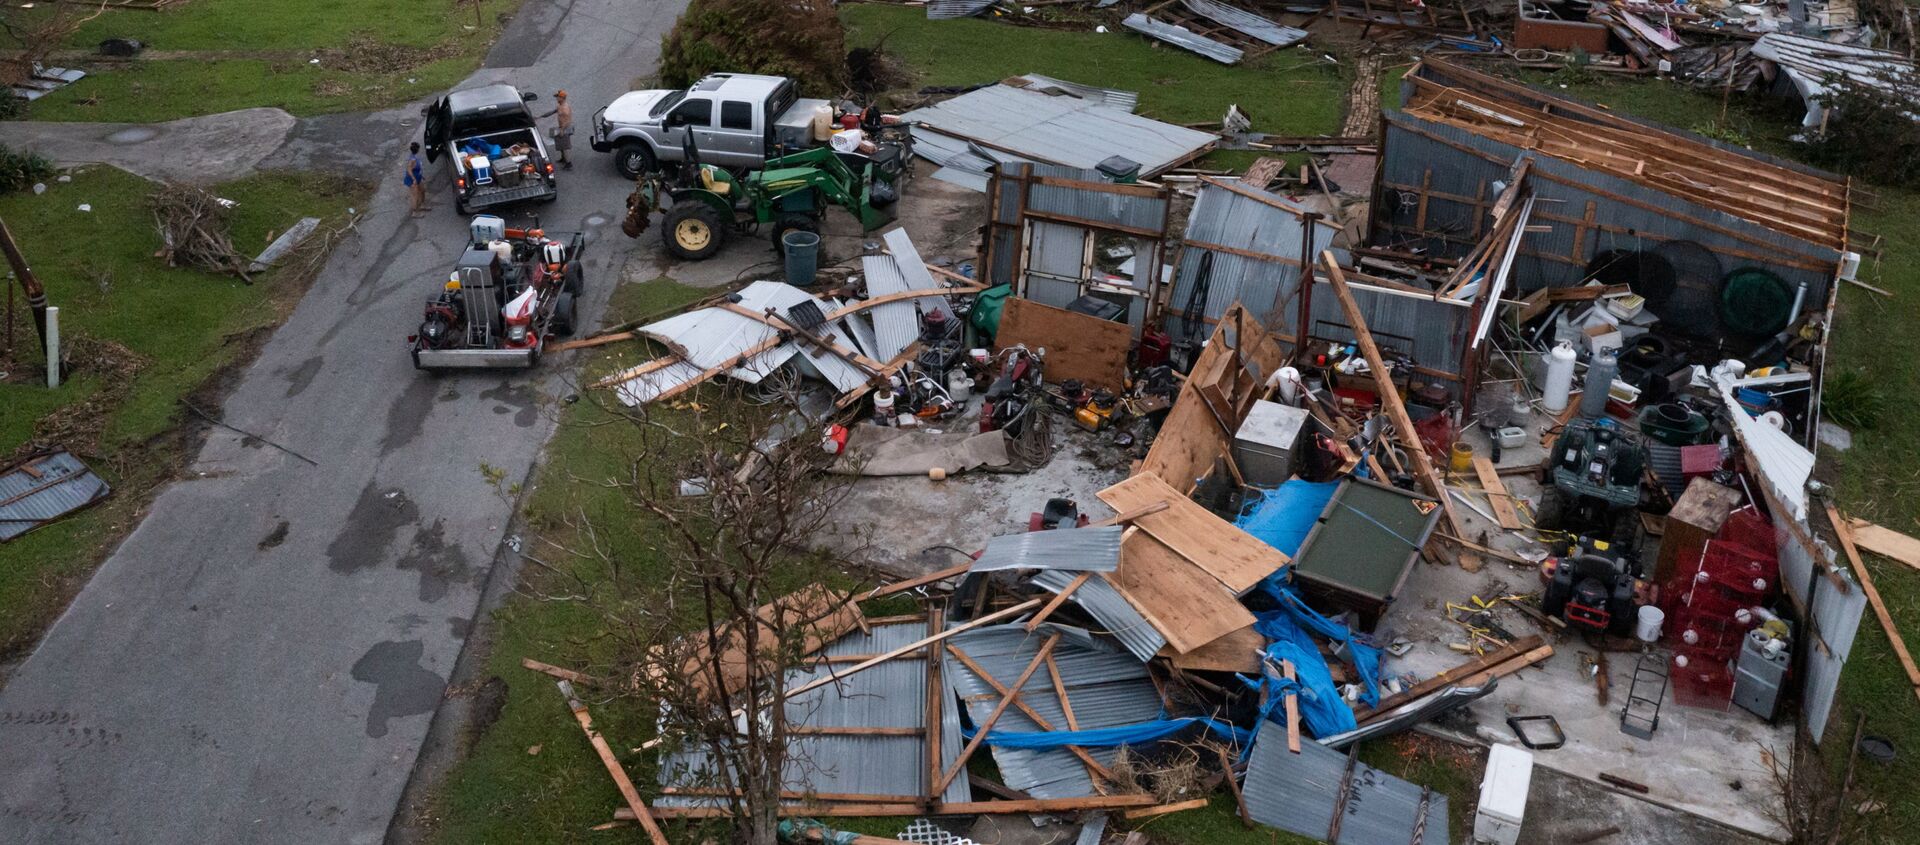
point(1851, 399)
point(1871, 131)
point(1723, 132)
point(801, 39)
point(20, 169)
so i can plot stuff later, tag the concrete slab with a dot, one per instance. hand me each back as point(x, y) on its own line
point(1701, 762)
point(202, 150)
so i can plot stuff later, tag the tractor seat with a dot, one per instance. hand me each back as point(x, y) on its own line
point(707, 181)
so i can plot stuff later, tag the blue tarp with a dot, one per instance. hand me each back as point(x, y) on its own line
point(1281, 517)
point(1134, 734)
point(1292, 629)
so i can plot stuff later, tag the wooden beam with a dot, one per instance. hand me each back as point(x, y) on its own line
point(1885, 541)
point(1454, 675)
point(1026, 709)
point(557, 672)
point(1233, 785)
point(1389, 395)
point(1497, 495)
point(1163, 809)
point(773, 320)
point(1006, 700)
point(921, 581)
point(596, 340)
point(936, 709)
point(1293, 710)
point(1058, 599)
point(619, 775)
point(1845, 532)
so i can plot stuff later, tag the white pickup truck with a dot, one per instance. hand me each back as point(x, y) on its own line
point(738, 121)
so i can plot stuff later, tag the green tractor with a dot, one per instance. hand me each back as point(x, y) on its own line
point(705, 204)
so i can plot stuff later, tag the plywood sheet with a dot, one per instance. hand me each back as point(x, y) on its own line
point(1189, 607)
point(1886, 541)
point(1235, 652)
point(1236, 559)
point(1078, 346)
point(1190, 441)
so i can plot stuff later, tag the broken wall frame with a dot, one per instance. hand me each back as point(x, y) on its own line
point(1245, 245)
point(1046, 227)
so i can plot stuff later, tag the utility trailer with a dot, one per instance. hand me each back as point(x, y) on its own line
point(509, 292)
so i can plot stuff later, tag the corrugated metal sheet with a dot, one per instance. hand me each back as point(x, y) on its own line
point(58, 484)
point(1105, 687)
point(1072, 549)
point(1059, 129)
point(896, 324)
point(1180, 36)
point(914, 270)
point(1564, 189)
point(1223, 217)
point(1299, 792)
point(890, 695)
point(1115, 208)
point(1808, 62)
point(641, 390)
point(1092, 830)
point(712, 337)
point(1837, 613)
point(947, 10)
point(1129, 100)
point(1246, 23)
point(1112, 610)
point(1437, 328)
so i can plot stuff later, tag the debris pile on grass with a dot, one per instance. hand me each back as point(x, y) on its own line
point(80, 427)
point(801, 39)
point(195, 230)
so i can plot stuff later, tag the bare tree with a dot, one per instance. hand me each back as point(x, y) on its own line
point(38, 29)
point(733, 591)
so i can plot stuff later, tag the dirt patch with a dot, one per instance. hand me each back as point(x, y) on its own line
point(489, 701)
point(365, 54)
point(77, 427)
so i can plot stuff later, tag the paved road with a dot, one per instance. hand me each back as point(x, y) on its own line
point(259, 660)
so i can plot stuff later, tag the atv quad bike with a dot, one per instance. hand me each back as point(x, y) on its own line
point(705, 204)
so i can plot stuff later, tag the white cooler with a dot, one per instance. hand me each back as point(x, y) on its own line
point(1503, 795)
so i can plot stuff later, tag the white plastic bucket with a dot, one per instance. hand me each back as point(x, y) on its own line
point(1651, 618)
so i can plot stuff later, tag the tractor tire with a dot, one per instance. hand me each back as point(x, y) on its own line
point(574, 280)
point(693, 231)
point(632, 158)
point(563, 315)
point(791, 223)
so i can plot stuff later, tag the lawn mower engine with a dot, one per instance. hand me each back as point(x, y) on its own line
point(1592, 587)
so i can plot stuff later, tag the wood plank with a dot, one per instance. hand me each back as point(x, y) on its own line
point(614, 770)
point(1093, 766)
point(555, 671)
point(1235, 558)
point(1186, 605)
point(596, 340)
point(936, 711)
point(1235, 652)
point(1078, 346)
point(1233, 785)
point(1058, 599)
point(1163, 809)
point(1006, 700)
point(1860, 572)
point(1452, 676)
point(1390, 395)
point(1497, 495)
point(921, 581)
point(1293, 710)
point(1190, 442)
point(1886, 541)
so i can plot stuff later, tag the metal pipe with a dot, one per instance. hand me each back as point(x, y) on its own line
point(51, 338)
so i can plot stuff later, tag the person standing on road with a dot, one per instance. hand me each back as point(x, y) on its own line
point(415, 180)
point(562, 127)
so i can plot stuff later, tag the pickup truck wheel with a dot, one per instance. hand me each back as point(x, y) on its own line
point(563, 314)
point(791, 223)
point(692, 231)
point(632, 158)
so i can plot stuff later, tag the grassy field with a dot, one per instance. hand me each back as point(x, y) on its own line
point(1877, 477)
point(308, 58)
point(142, 336)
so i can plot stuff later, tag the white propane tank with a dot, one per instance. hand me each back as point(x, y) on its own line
point(1559, 378)
point(1288, 380)
point(959, 386)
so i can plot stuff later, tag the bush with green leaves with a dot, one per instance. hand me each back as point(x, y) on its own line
point(801, 39)
point(1850, 398)
point(20, 169)
point(1872, 131)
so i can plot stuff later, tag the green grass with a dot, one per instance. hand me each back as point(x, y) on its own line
point(183, 325)
point(211, 56)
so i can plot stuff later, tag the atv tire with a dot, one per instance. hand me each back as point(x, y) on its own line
point(791, 223)
point(693, 231)
point(563, 315)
